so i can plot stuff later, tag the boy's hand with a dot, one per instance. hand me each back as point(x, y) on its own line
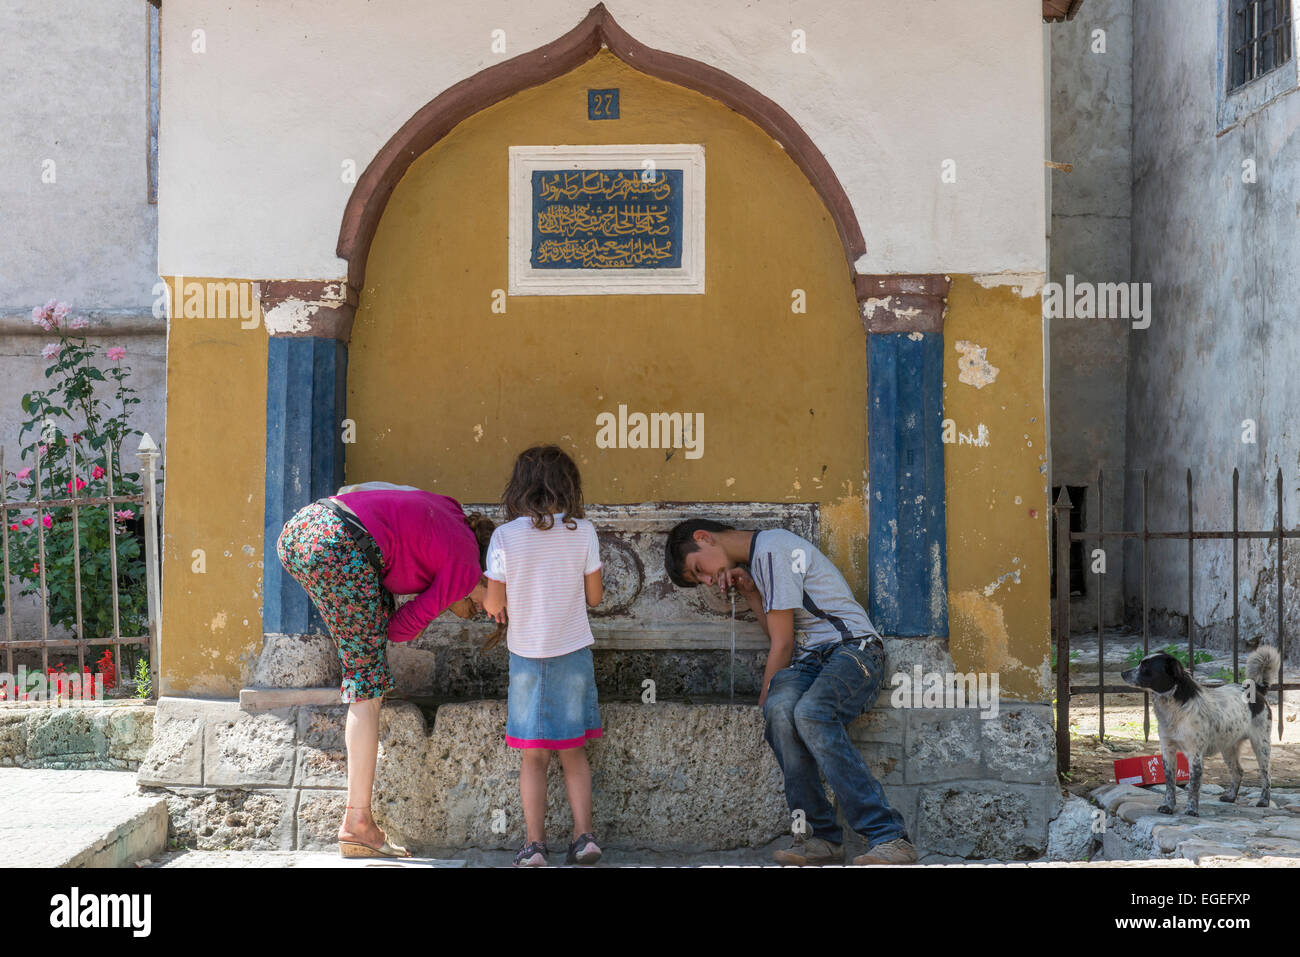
point(739, 578)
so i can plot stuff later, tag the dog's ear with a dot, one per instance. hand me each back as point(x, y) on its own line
point(1173, 667)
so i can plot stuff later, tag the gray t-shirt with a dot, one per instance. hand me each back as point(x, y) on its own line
point(791, 572)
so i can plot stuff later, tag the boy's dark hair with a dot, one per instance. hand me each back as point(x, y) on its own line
point(545, 480)
point(681, 542)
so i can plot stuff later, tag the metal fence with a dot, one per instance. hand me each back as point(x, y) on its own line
point(1061, 518)
point(146, 501)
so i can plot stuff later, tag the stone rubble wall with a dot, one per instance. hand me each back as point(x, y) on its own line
point(108, 737)
point(666, 776)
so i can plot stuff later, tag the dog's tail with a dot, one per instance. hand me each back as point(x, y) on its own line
point(1264, 667)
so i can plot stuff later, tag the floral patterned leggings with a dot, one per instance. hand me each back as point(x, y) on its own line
point(317, 551)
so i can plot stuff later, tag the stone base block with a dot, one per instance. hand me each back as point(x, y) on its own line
point(668, 776)
point(91, 737)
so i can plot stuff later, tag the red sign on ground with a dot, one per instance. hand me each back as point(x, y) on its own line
point(1149, 769)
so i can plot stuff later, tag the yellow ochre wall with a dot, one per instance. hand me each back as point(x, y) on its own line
point(213, 496)
point(998, 573)
point(445, 393)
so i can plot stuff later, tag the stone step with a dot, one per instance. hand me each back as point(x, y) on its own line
point(78, 819)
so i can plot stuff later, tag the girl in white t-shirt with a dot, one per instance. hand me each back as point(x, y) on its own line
point(543, 564)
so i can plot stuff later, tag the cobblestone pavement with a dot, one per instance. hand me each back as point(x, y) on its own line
point(1235, 834)
point(75, 818)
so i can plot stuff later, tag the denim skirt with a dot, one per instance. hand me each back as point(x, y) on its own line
point(552, 701)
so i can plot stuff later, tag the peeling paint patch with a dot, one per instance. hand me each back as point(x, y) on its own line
point(478, 433)
point(869, 306)
point(1024, 284)
point(975, 367)
point(994, 585)
point(979, 438)
point(915, 336)
point(982, 640)
point(290, 316)
point(218, 622)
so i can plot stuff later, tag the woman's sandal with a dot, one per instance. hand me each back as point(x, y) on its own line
point(357, 849)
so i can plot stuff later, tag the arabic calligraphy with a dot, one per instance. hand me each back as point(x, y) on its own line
point(606, 219)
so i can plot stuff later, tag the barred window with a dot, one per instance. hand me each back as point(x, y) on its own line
point(1260, 38)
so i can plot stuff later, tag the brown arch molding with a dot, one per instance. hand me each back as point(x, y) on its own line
point(441, 114)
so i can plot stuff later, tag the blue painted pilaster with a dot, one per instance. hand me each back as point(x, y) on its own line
point(306, 391)
point(907, 541)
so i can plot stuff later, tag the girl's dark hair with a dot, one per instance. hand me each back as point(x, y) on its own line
point(545, 481)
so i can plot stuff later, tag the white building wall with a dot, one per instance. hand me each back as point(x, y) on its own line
point(73, 90)
point(259, 125)
point(1223, 256)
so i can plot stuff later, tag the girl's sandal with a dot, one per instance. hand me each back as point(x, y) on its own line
point(528, 854)
point(586, 843)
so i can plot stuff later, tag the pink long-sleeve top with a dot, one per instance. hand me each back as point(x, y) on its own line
point(428, 549)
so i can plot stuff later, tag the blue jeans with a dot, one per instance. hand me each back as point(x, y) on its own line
point(808, 707)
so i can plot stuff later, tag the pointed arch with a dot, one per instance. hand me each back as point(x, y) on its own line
point(598, 29)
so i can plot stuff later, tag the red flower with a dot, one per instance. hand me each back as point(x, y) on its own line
point(36, 568)
point(107, 670)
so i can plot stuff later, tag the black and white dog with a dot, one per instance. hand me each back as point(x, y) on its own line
point(1199, 720)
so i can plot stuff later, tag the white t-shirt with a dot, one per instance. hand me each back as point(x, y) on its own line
point(546, 600)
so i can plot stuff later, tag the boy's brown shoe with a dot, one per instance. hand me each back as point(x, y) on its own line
point(812, 852)
point(897, 851)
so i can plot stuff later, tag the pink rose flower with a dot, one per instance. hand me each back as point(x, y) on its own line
point(97, 472)
point(23, 473)
point(13, 528)
point(79, 323)
point(61, 310)
point(80, 485)
point(125, 515)
point(29, 522)
point(47, 521)
point(50, 351)
point(38, 315)
point(116, 353)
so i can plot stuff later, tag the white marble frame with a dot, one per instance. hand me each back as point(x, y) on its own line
point(688, 279)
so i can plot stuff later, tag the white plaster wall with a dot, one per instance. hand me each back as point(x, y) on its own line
point(255, 130)
point(73, 88)
point(1224, 343)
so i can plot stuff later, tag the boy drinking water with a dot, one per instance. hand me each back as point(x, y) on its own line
point(825, 664)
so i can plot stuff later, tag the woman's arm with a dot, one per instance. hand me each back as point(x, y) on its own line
point(449, 585)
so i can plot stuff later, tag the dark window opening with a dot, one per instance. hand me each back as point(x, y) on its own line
point(1078, 580)
point(1259, 38)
